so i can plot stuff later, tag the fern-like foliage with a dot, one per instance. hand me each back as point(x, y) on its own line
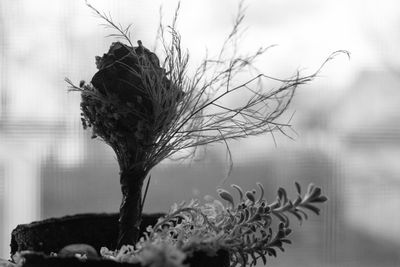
point(249, 228)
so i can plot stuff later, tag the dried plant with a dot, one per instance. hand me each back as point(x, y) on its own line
point(245, 228)
point(148, 111)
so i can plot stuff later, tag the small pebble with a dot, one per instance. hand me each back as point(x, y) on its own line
point(78, 250)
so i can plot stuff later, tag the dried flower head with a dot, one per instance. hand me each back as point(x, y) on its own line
point(129, 101)
point(134, 104)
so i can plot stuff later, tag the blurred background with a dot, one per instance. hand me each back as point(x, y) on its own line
point(347, 120)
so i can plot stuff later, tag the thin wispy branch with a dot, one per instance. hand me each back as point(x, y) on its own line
point(203, 114)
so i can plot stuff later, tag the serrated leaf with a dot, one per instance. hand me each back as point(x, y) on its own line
point(297, 201)
point(247, 239)
point(273, 205)
point(271, 252)
point(310, 189)
point(263, 233)
point(287, 241)
point(240, 190)
point(256, 217)
point(253, 257)
point(241, 219)
point(320, 199)
point(298, 216)
point(246, 215)
point(263, 258)
point(288, 231)
point(305, 215)
point(280, 216)
point(242, 258)
point(298, 187)
point(278, 244)
point(260, 199)
point(267, 221)
point(282, 194)
point(260, 210)
point(280, 234)
point(316, 192)
point(311, 207)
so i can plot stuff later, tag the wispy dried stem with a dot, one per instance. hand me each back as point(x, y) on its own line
point(197, 112)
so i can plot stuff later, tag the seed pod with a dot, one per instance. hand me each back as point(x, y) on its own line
point(250, 196)
point(225, 195)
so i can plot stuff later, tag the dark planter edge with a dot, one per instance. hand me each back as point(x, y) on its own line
point(41, 258)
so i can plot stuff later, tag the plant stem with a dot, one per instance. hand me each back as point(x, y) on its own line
point(130, 213)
